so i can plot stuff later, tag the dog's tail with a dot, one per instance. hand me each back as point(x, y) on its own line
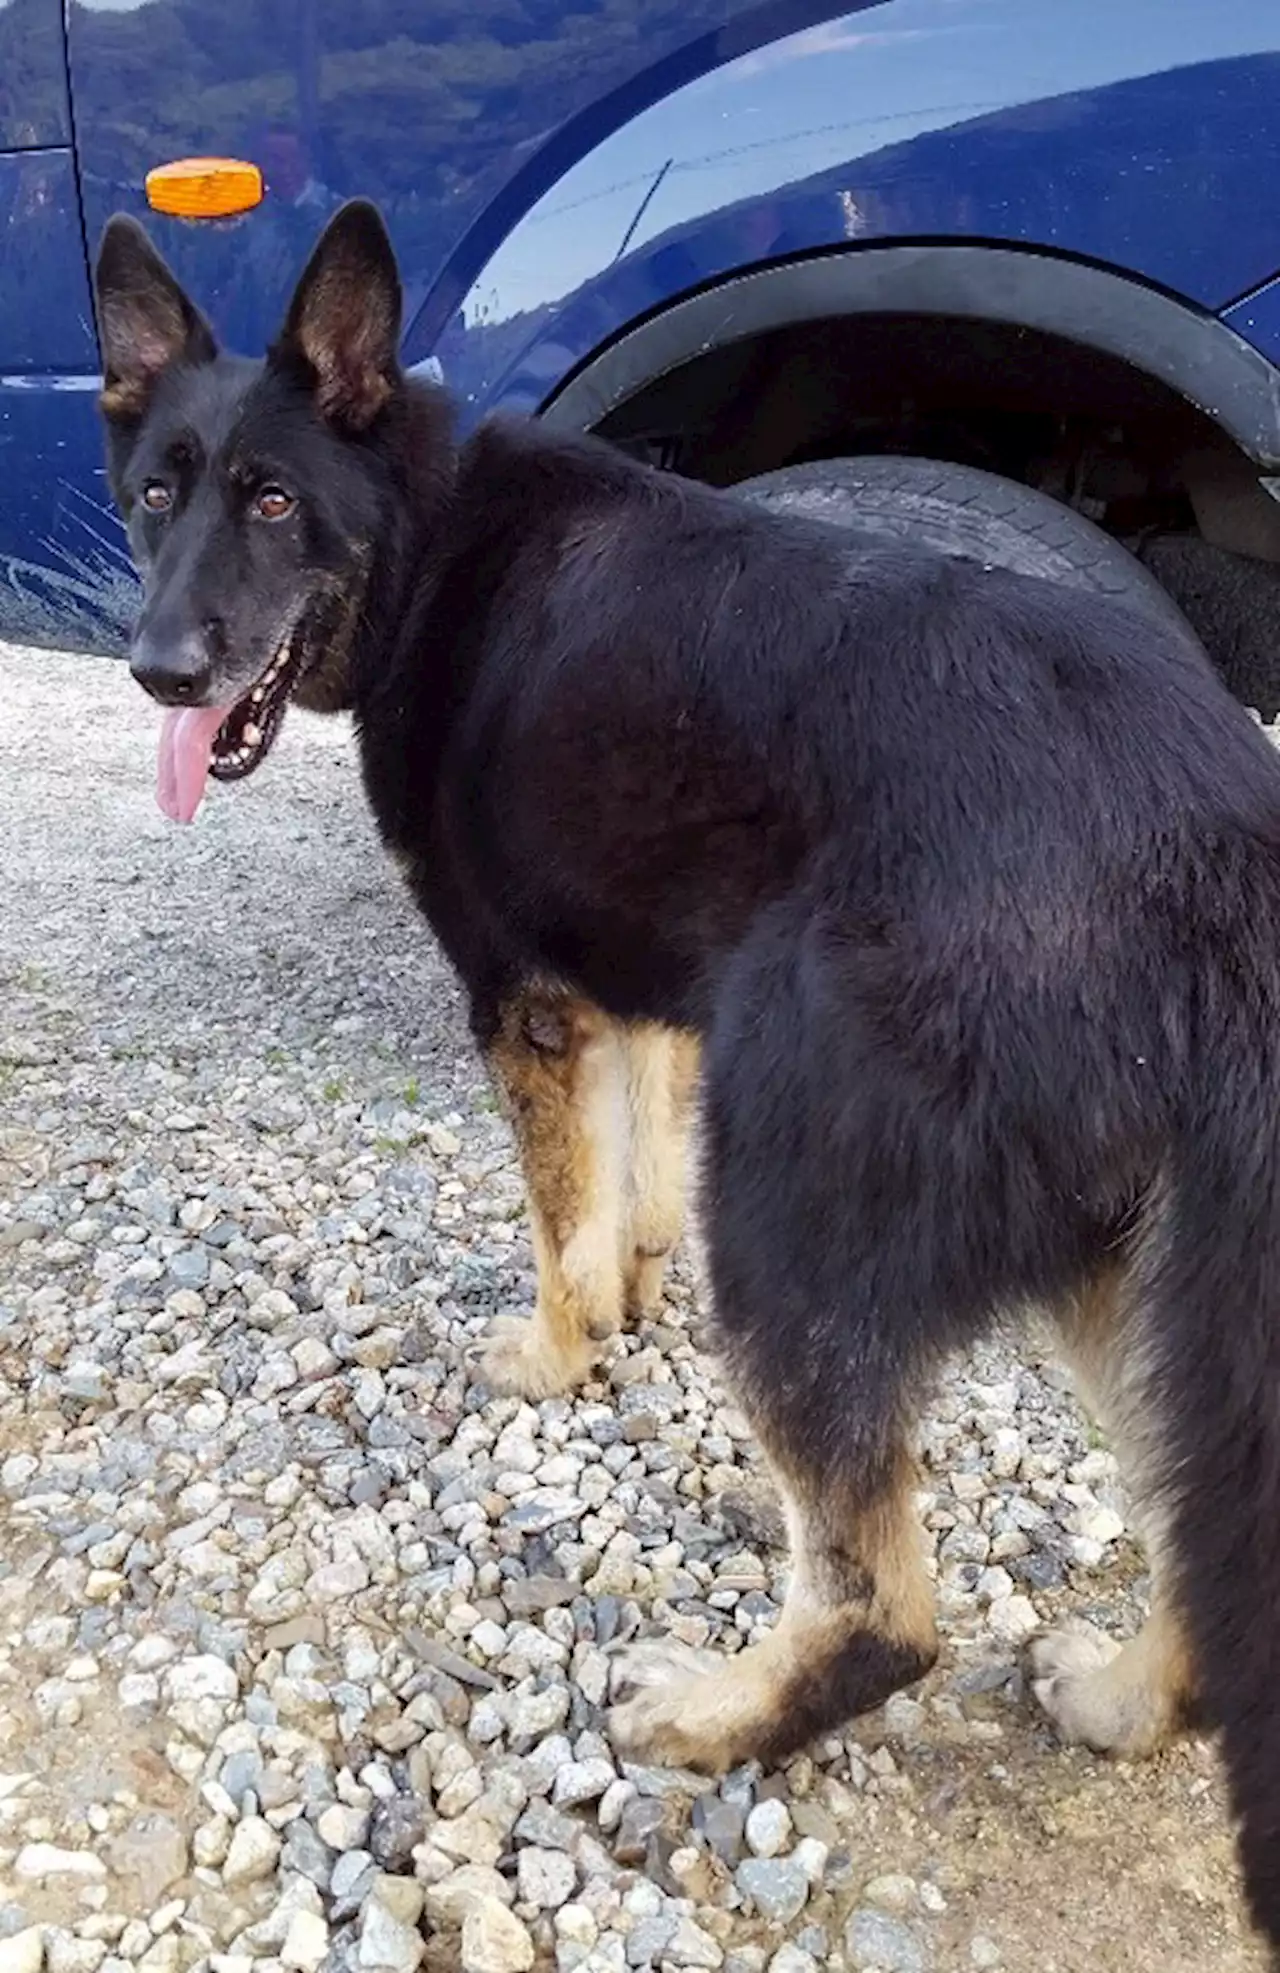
point(1213, 1275)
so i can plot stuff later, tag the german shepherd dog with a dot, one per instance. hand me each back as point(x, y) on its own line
point(960, 890)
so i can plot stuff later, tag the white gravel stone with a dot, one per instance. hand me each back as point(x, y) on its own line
point(23, 1952)
point(449, 1901)
point(576, 1928)
point(769, 1829)
point(41, 1862)
point(343, 1827)
point(253, 1851)
point(1100, 1524)
point(689, 1945)
point(306, 1942)
point(547, 1878)
point(792, 1959)
point(582, 1781)
point(494, 1940)
point(202, 1677)
point(1014, 1619)
point(470, 1838)
point(65, 1953)
point(387, 1943)
point(811, 1853)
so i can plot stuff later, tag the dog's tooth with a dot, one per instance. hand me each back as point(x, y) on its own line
point(256, 695)
point(252, 735)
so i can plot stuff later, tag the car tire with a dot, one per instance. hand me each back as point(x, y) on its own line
point(965, 512)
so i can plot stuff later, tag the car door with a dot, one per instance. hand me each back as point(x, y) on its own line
point(62, 575)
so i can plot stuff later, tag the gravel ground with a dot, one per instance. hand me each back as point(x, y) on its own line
point(303, 1642)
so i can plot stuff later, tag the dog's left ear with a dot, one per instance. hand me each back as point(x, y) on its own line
point(344, 319)
point(145, 320)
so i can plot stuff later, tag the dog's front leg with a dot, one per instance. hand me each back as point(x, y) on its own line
point(561, 1069)
point(662, 1075)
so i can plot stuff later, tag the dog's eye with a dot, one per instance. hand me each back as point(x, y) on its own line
point(273, 503)
point(156, 497)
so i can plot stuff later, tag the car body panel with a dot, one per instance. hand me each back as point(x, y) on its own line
point(34, 108)
point(1156, 174)
point(46, 311)
point(1257, 319)
point(64, 575)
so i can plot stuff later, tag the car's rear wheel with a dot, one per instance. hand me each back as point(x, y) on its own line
point(963, 511)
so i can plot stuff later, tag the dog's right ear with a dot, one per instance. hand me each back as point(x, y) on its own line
point(145, 321)
point(343, 324)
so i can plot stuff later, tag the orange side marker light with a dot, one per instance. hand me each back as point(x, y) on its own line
point(204, 188)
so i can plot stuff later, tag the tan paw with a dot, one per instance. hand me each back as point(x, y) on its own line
point(645, 1283)
point(1095, 1691)
point(515, 1361)
point(677, 1707)
point(604, 1323)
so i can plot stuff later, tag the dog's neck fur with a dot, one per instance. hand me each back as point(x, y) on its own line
point(407, 562)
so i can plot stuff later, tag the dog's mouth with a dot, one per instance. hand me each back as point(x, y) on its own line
point(227, 741)
point(248, 733)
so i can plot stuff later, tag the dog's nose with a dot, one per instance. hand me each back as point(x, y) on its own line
point(177, 671)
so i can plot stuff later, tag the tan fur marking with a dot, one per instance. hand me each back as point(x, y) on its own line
point(662, 1073)
point(120, 400)
point(1099, 1331)
point(1127, 1699)
point(834, 1542)
point(861, 1574)
point(1118, 1699)
point(560, 1066)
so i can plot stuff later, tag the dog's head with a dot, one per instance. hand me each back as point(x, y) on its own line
point(252, 492)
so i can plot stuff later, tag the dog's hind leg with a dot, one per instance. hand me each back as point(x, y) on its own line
point(856, 1625)
point(662, 1072)
point(824, 1347)
point(560, 1067)
point(1123, 1699)
point(1207, 1275)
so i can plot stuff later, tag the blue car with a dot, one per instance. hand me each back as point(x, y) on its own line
point(1014, 256)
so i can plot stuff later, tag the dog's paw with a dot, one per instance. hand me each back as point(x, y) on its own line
point(603, 1324)
point(644, 1286)
point(672, 1706)
point(1073, 1678)
point(515, 1360)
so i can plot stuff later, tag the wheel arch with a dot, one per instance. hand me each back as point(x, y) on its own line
point(1157, 335)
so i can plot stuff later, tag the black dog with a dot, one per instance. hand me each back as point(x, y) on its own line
point(968, 888)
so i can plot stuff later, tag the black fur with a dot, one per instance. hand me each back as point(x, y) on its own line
point(971, 884)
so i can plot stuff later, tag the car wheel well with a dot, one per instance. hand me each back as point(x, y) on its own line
point(1076, 422)
point(1100, 435)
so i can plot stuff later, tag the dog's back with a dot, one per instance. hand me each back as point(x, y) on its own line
point(679, 709)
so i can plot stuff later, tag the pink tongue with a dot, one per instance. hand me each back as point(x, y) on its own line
point(186, 745)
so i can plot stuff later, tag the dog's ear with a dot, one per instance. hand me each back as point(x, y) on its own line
point(344, 319)
point(145, 320)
